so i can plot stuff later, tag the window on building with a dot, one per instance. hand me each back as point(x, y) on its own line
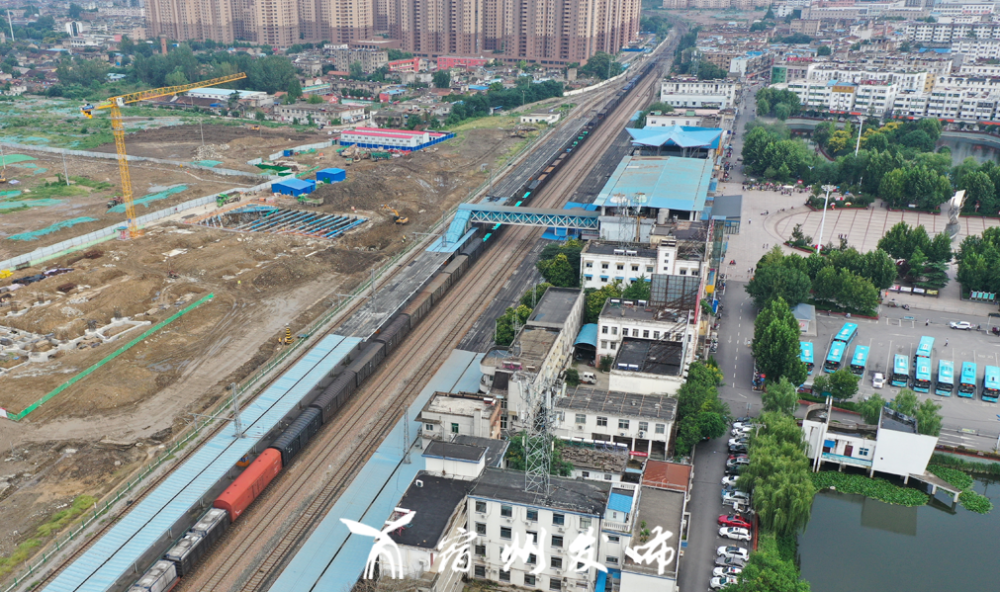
point(614, 330)
point(529, 580)
point(454, 428)
point(581, 418)
point(661, 428)
point(602, 422)
point(620, 267)
point(611, 559)
point(589, 264)
point(505, 532)
point(506, 511)
point(666, 268)
point(656, 334)
point(504, 576)
point(682, 272)
point(531, 559)
point(555, 584)
point(643, 426)
point(481, 507)
point(604, 329)
point(607, 476)
point(533, 515)
point(480, 571)
point(558, 519)
point(613, 538)
point(614, 346)
point(694, 272)
point(586, 474)
point(480, 528)
point(622, 424)
point(604, 279)
point(863, 452)
point(557, 541)
point(649, 269)
point(635, 268)
point(584, 523)
point(604, 344)
point(604, 265)
point(556, 563)
point(645, 334)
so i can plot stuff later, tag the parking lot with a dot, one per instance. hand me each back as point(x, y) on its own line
point(896, 334)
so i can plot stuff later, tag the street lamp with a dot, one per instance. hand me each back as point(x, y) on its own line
point(822, 223)
point(998, 436)
point(861, 125)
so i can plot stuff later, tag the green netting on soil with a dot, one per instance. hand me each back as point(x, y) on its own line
point(12, 158)
point(207, 163)
point(35, 234)
point(146, 199)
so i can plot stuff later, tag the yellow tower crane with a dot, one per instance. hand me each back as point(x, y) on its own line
point(115, 104)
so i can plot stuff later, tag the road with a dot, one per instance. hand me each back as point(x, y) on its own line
point(705, 506)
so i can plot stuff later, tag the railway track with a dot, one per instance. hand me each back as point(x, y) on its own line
point(272, 530)
point(466, 301)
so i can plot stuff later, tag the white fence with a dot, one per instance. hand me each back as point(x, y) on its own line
point(317, 145)
point(113, 156)
point(112, 230)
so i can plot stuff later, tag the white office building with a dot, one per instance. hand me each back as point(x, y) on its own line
point(692, 93)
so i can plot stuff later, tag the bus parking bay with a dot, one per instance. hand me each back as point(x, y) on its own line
point(888, 337)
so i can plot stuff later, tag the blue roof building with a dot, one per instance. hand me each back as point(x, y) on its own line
point(294, 187)
point(331, 175)
point(682, 140)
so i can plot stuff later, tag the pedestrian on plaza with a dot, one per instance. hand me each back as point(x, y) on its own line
point(928, 323)
point(946, 343)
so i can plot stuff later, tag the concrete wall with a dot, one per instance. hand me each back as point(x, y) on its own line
point(635, 582)
point(627, 381)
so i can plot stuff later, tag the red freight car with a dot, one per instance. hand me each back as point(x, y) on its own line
point(250, 484)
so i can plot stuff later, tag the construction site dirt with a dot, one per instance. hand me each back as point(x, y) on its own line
point(261, 283)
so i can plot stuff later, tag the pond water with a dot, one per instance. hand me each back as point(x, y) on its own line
point(982, 148)
point(862, 545)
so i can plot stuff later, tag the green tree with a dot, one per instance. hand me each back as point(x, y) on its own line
point(980, 194)
point(780, 396)
point(821, 133)
point(516, 456)
point(638, 290)
point(314, 99)
point(763, 106)
point(843, 384)
point(823, 50)
point(505, 324)
point(176, 78)
point(929, 418)
point(768, 571)
point(601, 66)
point(442, 79)
point(75, 11)
point(906, 402)
point(355, 71)
point(776, 346)
point(782, 111)
point(594, 301)
point(559, 272)
point(776, 281)
point(879, 268)
point(700, 412)
point(940, 248)
point(930, 126)
point(273, 74)
point(871, 409)
point(919, 140)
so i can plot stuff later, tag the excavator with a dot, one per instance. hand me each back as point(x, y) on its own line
point(396, 217)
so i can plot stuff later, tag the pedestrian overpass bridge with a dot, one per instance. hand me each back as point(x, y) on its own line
point(469, 214)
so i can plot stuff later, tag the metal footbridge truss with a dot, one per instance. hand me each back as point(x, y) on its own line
point(488, 214)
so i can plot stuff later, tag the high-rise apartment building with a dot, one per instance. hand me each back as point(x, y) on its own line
point(555, 32)
point(191, 19)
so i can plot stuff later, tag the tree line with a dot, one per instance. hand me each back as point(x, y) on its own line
point(979, 262)
point(480, 105)
point(700, 412)
point(841, 278)
point(920, 259)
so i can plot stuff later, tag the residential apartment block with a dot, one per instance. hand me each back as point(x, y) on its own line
point(343, 56)
point(916, 32)
point(715, 4)
point(191, 19)
point(694, 93)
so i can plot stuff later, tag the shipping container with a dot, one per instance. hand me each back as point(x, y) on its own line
point(367, 361)
point(185, 553)
point(212, 525)
point(297, 435)
point(335, 396)
point(250, 484)
point(471, 250)
point(393, 333)
point(159, 578)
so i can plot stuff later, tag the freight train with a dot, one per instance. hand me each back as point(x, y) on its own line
point(321, 404)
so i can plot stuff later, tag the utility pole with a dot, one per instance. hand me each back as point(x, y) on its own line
point(237, 420)
point(65, 169)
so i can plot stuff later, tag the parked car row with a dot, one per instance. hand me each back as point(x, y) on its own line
point(736, 525)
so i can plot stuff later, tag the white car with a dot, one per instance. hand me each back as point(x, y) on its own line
point(961, 325)
point(878, 380)
point(719, 583)
point(733, 551)
point(736, 496)
point(743, 431)
point(729, 481)
point(739, 441)
point(720, 572)
point(742, 424)
point(734, 533)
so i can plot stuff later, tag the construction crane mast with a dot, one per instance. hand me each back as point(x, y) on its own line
point(118, 128)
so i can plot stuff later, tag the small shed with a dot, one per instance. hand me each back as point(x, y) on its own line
point(293, 187)
point(331, 175)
